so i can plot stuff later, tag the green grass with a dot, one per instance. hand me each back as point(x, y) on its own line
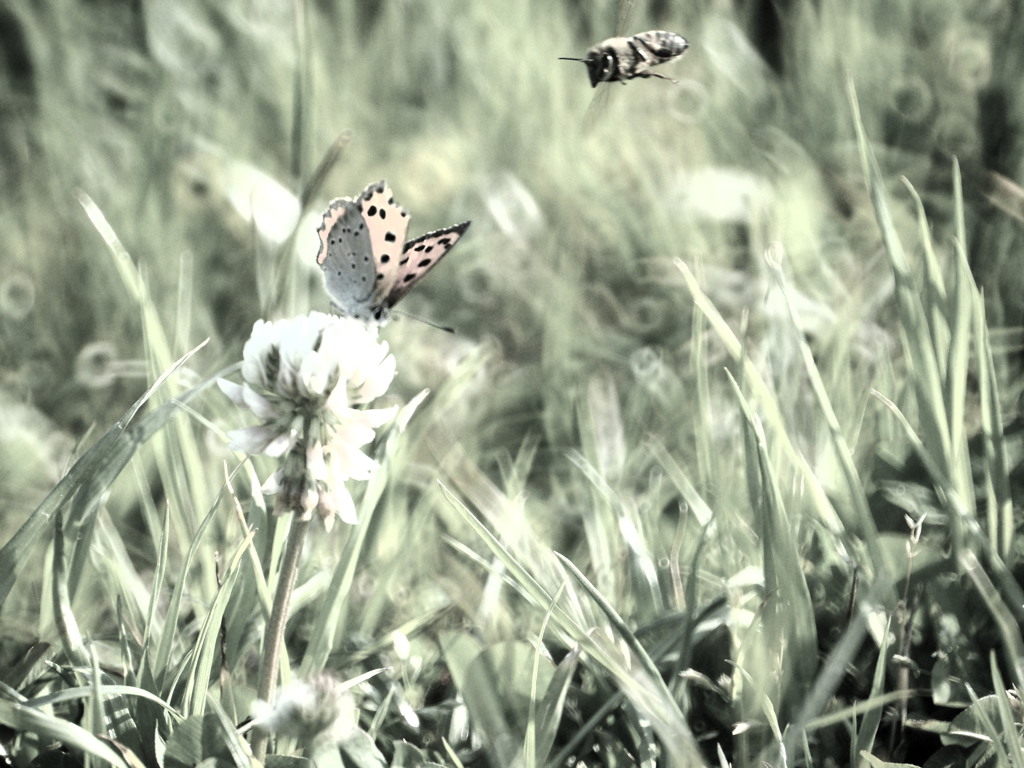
point(721, 466)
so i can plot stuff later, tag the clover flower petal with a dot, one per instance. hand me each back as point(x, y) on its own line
point(302, 378)
point(320, 711)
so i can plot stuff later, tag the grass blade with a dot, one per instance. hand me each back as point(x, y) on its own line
point(100, 464)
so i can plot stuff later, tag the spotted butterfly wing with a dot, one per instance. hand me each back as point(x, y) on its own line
point(421, 255)
point(346, 257)
point(387, 224)
point(366, 270)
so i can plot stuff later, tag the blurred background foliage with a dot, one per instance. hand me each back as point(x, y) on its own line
point(194, 126)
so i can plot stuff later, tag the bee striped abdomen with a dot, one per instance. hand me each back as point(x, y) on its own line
point(661, 44)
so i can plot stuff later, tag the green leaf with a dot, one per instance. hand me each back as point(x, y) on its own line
point(408, 756)
point(876, 762)
point(199, 738)
point(969, 727)
point(359, 749)
point(868, 730)
point(47, 728)
point(207, 644)
point(789, 616)
point(55, 758)
point(67, 625)
point(94, 471)
point(495, 684)
point(286, 761)
point(552, 705)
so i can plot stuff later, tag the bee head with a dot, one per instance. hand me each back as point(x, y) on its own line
point(601, 66)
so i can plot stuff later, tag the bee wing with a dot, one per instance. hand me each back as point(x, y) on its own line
point(657, 47)
point(661, 44)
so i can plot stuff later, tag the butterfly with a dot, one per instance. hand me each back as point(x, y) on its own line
point(367, 269)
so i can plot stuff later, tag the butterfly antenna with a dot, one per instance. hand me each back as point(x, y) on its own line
point(424, 320)
point(569, 58)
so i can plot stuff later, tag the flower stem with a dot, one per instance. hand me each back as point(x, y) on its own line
point(273, 638)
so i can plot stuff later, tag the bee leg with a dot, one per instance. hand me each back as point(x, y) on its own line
point(657, 74)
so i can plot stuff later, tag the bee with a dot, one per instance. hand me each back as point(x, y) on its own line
point(623, 58)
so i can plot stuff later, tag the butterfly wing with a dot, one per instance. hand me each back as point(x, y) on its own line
point(420, 256)
point(346, 257)
point(387, 224)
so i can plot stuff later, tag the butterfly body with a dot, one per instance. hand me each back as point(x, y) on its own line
point(623, 58)
point(368, 267)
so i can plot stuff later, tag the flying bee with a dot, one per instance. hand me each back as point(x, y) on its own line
point(623, 58)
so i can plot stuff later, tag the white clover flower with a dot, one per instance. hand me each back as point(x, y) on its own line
point(306, 379)
point(321, 711)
